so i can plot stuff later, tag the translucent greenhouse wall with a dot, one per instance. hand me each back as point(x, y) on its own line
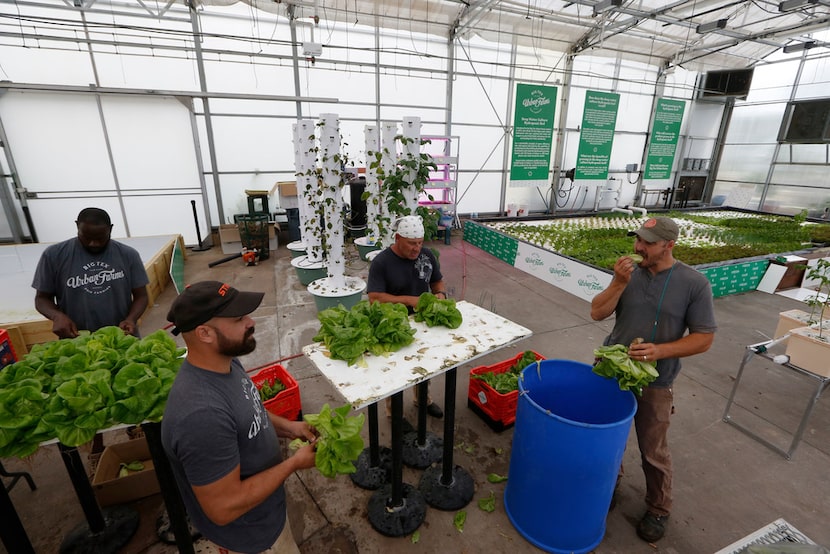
point(127, 122)
point(756, 171)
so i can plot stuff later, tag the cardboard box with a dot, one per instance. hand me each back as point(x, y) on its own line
point(287, 188)
point(109, 488)
point(229, 233)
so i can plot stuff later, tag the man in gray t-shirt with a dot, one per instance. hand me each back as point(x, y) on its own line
point(222, 444)
point(657, 300)
point(90, 281)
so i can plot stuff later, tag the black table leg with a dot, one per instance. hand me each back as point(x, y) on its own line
point(447, 487)
point(374, 464)
point(421, 449)
point(105, 531)
point(12, 533)
point(397, 509)
point(169, 489)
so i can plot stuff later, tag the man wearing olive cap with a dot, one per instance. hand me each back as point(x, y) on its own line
point(222, 444)
point(657, 300)
point(404, 271)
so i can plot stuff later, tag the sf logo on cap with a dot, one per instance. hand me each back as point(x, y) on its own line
point(650, 223)
point(223, 290)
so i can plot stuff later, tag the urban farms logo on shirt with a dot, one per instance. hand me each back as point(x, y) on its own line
point(260, 420)
point(97, 279)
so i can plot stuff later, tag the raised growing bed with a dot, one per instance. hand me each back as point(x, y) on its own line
point(733, 248)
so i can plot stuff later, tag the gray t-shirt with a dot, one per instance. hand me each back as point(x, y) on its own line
point(212, 423)
point(687, 304)
point(94, 290)
point(399, 276)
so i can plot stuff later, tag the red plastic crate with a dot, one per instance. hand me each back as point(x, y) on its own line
point(7, 355)
point(496, 409)
point(287, 403)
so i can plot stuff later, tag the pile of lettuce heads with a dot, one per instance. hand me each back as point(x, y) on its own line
point(379, 328)
point(72, 388)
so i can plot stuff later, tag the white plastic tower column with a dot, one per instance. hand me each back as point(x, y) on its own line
point(332, 197)
point(375, 203)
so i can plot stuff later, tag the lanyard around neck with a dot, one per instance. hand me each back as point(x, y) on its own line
point(660, 303)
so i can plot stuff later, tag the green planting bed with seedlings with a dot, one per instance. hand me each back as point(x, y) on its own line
point(705, 237)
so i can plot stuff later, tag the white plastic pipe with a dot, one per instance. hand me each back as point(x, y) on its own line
point(622, 210)
point(332, 197)
point(375, 203)
point(305, 159)
point(411, 129)
point(637, 209)
point(388, 160)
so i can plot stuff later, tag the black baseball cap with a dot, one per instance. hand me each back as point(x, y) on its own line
point(208, 299)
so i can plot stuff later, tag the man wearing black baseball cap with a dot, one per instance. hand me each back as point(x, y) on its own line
point(203, 301)
point(222, 444)
point(657, 299)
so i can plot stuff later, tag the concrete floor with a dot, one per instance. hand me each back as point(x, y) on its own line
point(727, 485)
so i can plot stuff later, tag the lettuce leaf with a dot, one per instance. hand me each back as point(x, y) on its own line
point(435, 311)
point(373, 327)
point(339, 443)
point(72, 388)
point(614, 362)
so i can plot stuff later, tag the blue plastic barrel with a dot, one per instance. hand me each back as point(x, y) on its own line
point(568, 443)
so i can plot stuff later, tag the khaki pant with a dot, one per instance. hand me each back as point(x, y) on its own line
point(651, 422)
point(285, 544)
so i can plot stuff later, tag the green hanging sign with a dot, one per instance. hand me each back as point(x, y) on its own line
point(532, 135)
point(177, 265)
point(668, 115)
point(599, 118)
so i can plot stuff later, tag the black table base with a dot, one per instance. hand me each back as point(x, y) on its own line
point(372, 476)
point(422, 454)
point(448, 486)
point(400, 520)
point(120, 524)
point(374, 465)
point(453, 495)
point(421, 448)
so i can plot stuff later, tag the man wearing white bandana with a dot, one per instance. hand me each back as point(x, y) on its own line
point(404, 271)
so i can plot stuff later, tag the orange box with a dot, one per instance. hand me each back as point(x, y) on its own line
point(496, 409)
point(287, 403)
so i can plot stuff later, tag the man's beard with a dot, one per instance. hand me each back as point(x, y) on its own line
point(233, 349)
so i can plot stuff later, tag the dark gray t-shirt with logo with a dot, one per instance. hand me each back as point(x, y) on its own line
point(94, 290)
point(212, 423)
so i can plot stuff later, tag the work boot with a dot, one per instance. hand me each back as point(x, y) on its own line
point(435, 410)
point(652, 527)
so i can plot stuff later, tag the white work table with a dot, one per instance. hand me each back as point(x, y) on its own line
point(397, 509)
point(434, 351)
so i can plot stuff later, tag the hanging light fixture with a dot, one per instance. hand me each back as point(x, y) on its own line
point(799, 46)
point(711, 26)
point(788, 5)
point(605, 5)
